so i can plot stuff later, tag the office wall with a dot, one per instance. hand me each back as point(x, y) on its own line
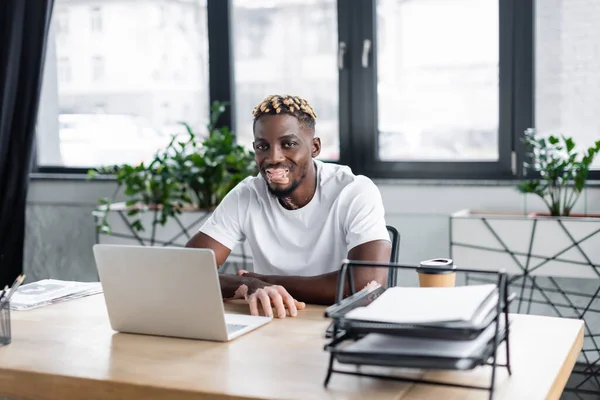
point(60, 226)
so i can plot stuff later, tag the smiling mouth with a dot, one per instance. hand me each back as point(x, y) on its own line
point(277, 175)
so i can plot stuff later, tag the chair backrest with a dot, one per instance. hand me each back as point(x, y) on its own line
point(395, 238)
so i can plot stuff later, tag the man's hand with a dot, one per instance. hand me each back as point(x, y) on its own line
point(269, 296)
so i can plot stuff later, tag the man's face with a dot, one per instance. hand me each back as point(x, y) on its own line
point(284, 149)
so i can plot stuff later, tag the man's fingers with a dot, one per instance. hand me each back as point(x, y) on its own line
point(300, 305)
point(274, 296)
point(266, 302)
point(253, 302)
point(277, 302)
point(242, 272)
point(289, 301)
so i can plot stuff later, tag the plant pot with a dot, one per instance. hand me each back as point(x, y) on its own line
point(535, 244)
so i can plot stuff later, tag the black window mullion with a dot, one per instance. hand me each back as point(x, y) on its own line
point(523, 99)
point(220, 56)
point(511, 76)
point(345, 15)
point(363, 82)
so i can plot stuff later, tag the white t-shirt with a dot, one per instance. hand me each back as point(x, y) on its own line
point(345, 211)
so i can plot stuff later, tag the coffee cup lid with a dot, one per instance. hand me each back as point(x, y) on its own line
point(437, 266)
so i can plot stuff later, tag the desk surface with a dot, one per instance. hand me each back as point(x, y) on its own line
point(69, 351)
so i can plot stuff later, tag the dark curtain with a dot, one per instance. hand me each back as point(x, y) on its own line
point(23, 34)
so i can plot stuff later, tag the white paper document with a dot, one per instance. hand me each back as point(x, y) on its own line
point(409, 305)
point(50, 291)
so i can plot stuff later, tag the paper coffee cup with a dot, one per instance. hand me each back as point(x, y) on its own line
point(437, 272)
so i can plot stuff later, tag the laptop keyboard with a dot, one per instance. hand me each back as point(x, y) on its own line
point(231, 328)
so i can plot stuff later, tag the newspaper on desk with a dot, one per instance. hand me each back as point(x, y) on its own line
point(51, 291)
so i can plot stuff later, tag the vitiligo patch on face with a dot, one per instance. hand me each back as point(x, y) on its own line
point(278, 175)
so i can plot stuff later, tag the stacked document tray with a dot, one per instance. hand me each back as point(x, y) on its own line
point(457, 328)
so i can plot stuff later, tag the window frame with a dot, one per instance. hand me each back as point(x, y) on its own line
point(365, 113)
point(358, 98)
point(221, 79)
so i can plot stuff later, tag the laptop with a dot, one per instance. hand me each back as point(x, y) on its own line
point(167, 291)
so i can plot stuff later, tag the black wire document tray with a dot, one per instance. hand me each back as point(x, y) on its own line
point(455, 344)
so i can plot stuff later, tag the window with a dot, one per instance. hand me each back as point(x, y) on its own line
point(437, 80)
point(98, 68)
point(430, 87)
point(567, 70)
point(270, 57)
point(64, 70)
point(439, 89)
point(320, 27)
point(96, 19)
point(253, 33)
point(183, 18)
point(163, 16)
point(114, 109)
point(62, 21)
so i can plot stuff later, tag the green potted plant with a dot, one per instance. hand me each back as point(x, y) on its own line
point(562, 171)
point(191, 175)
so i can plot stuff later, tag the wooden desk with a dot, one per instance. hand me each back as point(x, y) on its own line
point(68, 351)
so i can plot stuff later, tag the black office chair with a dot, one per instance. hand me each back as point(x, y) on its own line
point(395, 238)
point(392, 274)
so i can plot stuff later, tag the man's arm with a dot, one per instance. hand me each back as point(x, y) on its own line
point(322, 289)
point(251, 289)
point(202, 241)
